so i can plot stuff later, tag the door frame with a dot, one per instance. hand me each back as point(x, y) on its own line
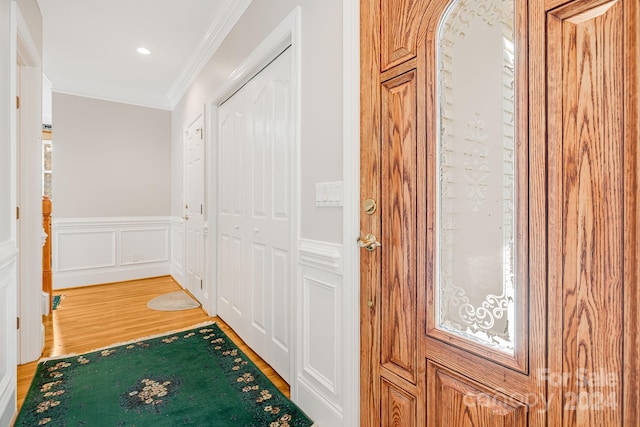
point(351, 208)
point(286, 35)
point(27, 185)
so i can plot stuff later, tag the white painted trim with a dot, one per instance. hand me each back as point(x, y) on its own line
point(8, 249)
point(29, 185)
point(332, 382)
point(101, 222)
point(146, 261)
point(322, 394)
point(211, 129)
point(8, 259)
point(27, 51)
point(321, 255)
point(323, 405)
point(8, 253)
point(285, 34)
point(351, 209)
point(177, 240)
point(116, 95)
point(230, 13)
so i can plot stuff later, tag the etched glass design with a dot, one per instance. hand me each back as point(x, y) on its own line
point(476, 194)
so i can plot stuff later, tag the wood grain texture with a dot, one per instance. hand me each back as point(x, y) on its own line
point(398, 210)
point(398, 406)
point(455, 401)
point(586, 126)
point(46, 251)
point(98, 316)
point(400, 31)
point(631, 361)
point(385, 117)
point(370, 188)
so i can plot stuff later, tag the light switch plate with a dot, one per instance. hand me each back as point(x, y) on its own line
point(329, 194)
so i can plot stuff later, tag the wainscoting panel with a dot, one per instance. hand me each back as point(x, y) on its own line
point(89, 251)
point(8, 253)
point(85, 250)
point(320, 335)
point(144, 246)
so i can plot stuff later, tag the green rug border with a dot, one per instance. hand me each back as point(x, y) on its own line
point(43, 361)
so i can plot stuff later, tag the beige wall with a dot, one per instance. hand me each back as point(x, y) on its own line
point(321, 100)
point(110, 159)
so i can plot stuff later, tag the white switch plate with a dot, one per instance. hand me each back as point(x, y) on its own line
point(329, 194)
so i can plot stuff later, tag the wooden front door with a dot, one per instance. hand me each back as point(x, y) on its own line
point(499, 223)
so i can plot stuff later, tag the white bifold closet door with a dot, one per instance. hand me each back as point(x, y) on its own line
point(255, 144)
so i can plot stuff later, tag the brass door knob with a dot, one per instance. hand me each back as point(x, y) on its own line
point(369, 242)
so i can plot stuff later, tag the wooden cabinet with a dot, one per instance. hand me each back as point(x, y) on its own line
point(500, 141)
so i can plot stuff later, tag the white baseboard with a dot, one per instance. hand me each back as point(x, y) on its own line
point(90, 251)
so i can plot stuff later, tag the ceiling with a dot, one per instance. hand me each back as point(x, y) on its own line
point(90, 46)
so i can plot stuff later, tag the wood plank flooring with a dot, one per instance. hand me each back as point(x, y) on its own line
point(98, 316)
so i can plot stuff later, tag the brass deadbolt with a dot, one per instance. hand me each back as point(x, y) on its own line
point(370, 206)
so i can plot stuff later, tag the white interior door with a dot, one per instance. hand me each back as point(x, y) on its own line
point(255, 166)
point(194, 208)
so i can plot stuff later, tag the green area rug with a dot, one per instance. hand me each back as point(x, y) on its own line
point(196, 377)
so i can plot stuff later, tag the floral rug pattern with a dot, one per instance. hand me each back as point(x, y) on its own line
point(197, 377)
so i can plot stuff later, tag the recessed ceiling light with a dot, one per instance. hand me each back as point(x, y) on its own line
point(143, 50)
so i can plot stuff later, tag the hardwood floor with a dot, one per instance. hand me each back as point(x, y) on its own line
point(98, 316)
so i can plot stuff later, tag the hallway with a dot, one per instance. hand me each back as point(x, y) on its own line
point(76, 326)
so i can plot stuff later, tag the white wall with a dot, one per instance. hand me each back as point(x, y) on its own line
point(109, 159)
point(321, 98)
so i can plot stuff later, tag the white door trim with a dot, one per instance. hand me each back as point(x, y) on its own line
point(351, 207)
point(30, 187)
point(286, 34)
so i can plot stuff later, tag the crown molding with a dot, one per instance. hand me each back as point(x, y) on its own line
point(230, 13)
point(116, 95)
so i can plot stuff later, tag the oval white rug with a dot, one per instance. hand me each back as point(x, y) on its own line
point(173, 301)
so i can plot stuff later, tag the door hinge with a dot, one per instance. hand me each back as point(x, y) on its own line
point(17, 102)
point(200, 283)
point(201, 209)
point(17, 212)
point(17, 323)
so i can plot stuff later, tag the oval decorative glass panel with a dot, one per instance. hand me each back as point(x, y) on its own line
point(476, 192)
